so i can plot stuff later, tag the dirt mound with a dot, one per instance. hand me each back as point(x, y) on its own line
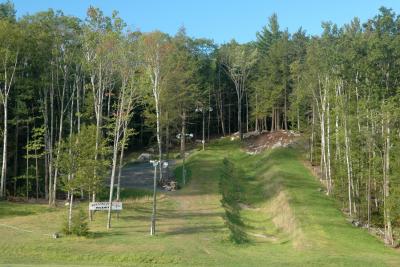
point(269, 140)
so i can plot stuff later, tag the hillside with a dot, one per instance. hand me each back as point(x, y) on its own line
point(286, 221)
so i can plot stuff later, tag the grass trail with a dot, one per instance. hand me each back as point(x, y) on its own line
point(288, 222)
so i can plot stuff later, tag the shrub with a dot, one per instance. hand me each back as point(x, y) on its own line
point(79, 224)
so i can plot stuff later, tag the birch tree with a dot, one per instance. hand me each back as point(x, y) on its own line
point(154, 47)
point(96, 32)
point(238, 61)
point(76, 163)
point(9, 55)
point(126, 60)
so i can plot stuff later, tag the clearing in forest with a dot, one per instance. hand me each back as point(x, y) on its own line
point(281, 217)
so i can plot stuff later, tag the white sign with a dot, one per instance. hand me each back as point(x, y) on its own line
point(105, 206)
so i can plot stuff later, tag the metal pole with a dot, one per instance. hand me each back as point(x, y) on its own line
point(183, 168)
point(153, 216)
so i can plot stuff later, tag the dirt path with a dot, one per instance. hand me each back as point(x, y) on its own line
point(198, 207)
point(141, 174)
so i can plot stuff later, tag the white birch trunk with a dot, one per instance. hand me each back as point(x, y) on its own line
point(4, 163)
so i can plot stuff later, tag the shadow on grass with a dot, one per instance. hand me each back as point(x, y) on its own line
point(126, 193)
point(231, 192)
point(8, 209)
point(194, 230)
point(174, 215)
point(97, 235)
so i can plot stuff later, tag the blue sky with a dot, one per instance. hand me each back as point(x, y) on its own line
point(220, 20)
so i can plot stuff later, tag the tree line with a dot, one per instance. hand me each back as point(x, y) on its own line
point(77, 93)
point(341, 90)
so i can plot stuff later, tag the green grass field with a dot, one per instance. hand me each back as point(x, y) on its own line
point(287, 220)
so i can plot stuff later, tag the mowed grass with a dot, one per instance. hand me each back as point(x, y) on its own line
point(289, 222)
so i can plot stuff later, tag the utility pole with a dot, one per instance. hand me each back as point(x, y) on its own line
point(179, 136)
point(203, 111)
point(153, 215)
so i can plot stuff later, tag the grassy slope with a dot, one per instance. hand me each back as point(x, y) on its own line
point(288, 220)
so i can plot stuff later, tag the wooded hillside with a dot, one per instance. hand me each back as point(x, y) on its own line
point(75, 94)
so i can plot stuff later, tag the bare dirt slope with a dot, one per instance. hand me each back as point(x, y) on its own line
point(257, 143)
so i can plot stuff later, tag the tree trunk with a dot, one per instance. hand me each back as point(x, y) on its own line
point(273, 120)
point(222, 115)
point(159, 141)
point(58, 152)
point(229, 119)
point(114, 165)
point(349, 174)
point(153, 216)
point(337, 146)
point(183, 145)
point(278, 119)
point(37, 175)
point(109, 103)
point(312, 135)
point(4, 97)
point(386, 187)
point(98, 94)
point(27, 162)
point(285, 111)
point(298, 120)
point(369, 184)
point(156, 93)
point(256, 120)
point(240, 130)
point(328, 149)
point(167, 135)
point(324, 168)
point(220, 102)
point(121, 160)
point(71, 202)
point(50, 145)
point(247, 113)
point(15, 174)
point(4, 163)
point(78, 111)
point(46, 144)
point(71, 120)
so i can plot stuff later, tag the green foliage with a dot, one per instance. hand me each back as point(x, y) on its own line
point(341, 87)
point(272, 80)
point(79, 226)
point(7, 11)
point(268, 35)
point(238, 60)
point(178, 174)
point(77, 164)
point(193, 217)
point(36, 143)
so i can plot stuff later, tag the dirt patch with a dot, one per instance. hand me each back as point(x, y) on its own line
point(257, 143)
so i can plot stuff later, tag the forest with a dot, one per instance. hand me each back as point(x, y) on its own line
point(78, 95)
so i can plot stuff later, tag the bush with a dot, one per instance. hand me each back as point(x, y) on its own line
point(79, 224)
